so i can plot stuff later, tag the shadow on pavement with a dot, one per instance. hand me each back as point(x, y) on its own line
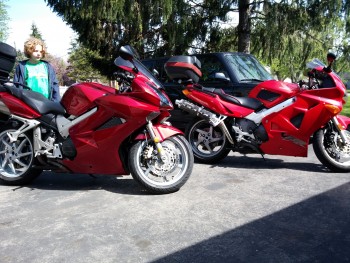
point(255, 161)
point(127, 185)
point(315, 230)
point(85, 182)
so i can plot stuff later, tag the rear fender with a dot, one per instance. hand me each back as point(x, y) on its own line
point(12, 105)
point(162, 131)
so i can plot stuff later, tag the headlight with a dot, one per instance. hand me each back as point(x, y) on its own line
point(164, 101)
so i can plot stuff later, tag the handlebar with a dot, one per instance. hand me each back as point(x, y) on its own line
point(124, 80)
point(123, 76)
point(315, 76)
point(8, 82)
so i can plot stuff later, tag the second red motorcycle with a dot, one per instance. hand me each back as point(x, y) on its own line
point(277, 118)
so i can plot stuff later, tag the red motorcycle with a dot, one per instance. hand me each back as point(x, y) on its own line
point(96, 129)
point(276, 118)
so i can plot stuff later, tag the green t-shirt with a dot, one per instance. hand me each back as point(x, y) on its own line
point(37, 78)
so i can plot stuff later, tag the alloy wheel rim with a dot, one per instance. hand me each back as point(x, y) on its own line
point(205, 140)
point(168, 171)
point(15, 157)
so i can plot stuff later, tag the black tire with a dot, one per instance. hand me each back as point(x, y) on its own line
point(330, 151)
point(209, 144)
point(161, 177)
point(16, 158)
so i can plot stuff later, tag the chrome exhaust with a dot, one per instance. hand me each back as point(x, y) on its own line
point(206, 115)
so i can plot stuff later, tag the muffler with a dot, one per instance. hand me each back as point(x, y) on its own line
point(200, 112)
point(206, 115)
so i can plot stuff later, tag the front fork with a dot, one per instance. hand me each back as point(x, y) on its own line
point(341, 130)
point(156, 140)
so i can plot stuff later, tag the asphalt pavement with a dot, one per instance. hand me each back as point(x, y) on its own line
point(244, 209)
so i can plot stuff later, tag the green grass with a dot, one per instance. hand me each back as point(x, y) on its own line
point(346, 108)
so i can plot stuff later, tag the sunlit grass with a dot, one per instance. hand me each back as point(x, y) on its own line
point(346, 108)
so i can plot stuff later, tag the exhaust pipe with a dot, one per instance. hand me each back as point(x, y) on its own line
point(206, 115)
point(200, 112)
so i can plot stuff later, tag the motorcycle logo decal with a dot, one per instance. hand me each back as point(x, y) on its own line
point(293, 140)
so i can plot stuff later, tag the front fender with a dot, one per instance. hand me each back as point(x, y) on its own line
point(344, 121)
point(162, 131)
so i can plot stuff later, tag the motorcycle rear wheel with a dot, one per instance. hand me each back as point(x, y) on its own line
point(16, 158)
point(209, 144)
point(330, 151)
point(157, 176)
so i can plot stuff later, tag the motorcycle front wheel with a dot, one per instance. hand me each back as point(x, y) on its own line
point(16, 158)
point(161, 176)
point(209, 144)
point(330, 150)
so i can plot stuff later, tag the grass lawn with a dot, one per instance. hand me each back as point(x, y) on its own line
point(346, 108)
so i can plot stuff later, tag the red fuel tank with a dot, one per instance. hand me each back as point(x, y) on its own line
point(273, 92)
point(80, 97)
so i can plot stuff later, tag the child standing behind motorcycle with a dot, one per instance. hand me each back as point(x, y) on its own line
point(36, 73)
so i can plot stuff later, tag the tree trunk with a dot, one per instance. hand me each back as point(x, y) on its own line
point(244, 26)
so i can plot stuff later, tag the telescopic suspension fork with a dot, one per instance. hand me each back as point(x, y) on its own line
point(341, 130)
point(156, 141)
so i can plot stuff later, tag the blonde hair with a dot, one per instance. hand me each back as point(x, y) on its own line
point(30, 44)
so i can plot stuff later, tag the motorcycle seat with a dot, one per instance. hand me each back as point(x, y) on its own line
point(36, 100)
point(250, 103)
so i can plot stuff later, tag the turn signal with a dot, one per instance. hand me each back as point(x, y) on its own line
point(186, 92)
point(333, 109)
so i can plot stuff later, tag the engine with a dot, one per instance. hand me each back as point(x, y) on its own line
point(247, 130)
point(52, 145)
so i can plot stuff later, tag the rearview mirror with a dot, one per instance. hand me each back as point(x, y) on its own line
point(331, 57)
point(219, 76)
point(155, 73)
point(126, 53)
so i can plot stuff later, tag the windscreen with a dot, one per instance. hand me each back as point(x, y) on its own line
point(141, 68)
point(315, 63)
point(247, 68)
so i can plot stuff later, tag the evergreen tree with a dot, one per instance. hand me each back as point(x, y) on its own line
point(154, 28)
point(82, 65)
point(35, 32)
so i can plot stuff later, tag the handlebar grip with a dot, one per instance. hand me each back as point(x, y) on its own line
point(120, 75)
point(123, 76)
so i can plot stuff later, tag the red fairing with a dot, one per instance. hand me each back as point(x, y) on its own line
point(141, 89)
point(272, 92)
point(215, 103)
point(98, 147)
point(79, 98)
point(290, 129)
point(18, 107)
